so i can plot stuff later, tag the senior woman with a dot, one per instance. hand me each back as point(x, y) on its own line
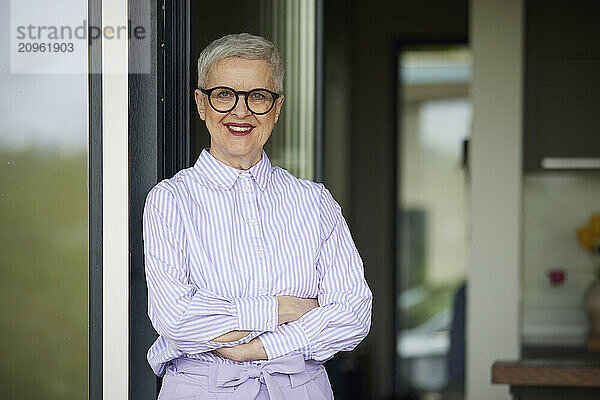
point(253, 278)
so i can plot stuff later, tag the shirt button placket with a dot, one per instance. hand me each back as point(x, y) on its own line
point(250, 214)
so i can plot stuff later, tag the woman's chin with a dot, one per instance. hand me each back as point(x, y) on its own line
point(242, 152)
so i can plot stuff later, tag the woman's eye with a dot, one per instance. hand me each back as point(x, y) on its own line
point(223, 94)
point(258, 97)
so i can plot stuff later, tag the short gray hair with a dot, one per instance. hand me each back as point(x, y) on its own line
point(244, 45)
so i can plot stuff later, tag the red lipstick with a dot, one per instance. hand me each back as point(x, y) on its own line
point(239, 129)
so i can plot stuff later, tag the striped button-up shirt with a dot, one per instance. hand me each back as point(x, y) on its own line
point(221, 243)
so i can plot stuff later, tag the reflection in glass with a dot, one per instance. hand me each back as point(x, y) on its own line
point(43, 231)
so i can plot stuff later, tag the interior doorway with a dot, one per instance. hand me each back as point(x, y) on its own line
point(434, 123)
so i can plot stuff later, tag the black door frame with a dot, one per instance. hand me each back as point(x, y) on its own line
point(95, 203)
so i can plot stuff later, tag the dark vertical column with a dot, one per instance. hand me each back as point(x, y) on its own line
point(373, 191)
point(95, 203)
point(144, 131)
point(174, 84)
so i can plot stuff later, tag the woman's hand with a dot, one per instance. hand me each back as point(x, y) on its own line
point(231, 336)
point(291, 308)
point(253, 350)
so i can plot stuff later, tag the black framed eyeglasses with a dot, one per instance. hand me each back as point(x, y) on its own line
point(223, 99)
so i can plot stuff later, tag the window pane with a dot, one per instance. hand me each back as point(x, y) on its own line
point(43, 217)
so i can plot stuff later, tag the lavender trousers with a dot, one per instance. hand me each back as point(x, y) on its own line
point(284, 378)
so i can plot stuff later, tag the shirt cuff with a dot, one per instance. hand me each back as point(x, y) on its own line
point(257, 313)
point(288, 338)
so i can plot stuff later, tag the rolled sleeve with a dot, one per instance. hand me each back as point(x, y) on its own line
point(286, 339)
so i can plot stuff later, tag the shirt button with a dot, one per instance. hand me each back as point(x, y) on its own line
point(260, 252)
point(269, 325)
point(262, 291)
point(253, 221)
point(247, 187)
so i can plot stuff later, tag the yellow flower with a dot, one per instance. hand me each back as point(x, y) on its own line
point(586, 238)
point(595, 225)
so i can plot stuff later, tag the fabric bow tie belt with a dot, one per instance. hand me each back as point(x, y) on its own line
point(290, 371)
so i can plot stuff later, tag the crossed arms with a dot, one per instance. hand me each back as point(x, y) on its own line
point(289, 309)
point(195, 319)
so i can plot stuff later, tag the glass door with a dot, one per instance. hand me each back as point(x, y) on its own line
point(44, 197)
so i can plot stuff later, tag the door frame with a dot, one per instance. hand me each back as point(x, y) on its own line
point(95, 204)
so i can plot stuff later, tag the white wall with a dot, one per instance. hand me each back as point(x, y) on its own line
point(555, 204)
point(496, 36)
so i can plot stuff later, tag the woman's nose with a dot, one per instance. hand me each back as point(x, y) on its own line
point(240, 109)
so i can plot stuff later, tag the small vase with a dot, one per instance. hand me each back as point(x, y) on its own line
point(592, 305)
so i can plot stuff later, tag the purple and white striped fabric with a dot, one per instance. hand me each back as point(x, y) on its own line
point(221, 243)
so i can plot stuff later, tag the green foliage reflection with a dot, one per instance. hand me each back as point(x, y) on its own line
point(44, 275)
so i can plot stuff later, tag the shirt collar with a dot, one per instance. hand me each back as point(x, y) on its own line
point(225, 175)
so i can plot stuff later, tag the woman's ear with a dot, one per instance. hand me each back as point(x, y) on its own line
point(278, 105)
point(200, 104)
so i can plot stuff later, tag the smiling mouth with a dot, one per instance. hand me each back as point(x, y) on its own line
point(239, 129)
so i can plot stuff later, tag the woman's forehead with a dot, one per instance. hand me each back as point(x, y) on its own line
point(241, 74)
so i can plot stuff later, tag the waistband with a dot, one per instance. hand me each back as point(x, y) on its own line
point(287, 371)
